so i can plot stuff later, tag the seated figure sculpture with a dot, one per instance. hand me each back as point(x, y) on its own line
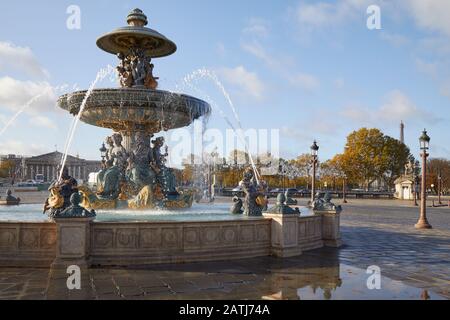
point(164, 175)
point(10, 200)
point(236, 208)
point(110, 185)
point(60, 192)
point(322, 202)
point(118, 154)
point(139, 172)
point(254, 201)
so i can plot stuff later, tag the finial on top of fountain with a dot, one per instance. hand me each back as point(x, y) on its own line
point(137, 18)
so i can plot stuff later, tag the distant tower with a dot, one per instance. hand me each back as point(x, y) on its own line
point(402, 132)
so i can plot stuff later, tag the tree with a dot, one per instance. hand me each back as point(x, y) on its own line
point(395, 155)
point(7, 168)
point(370, 155)
point(436, 167)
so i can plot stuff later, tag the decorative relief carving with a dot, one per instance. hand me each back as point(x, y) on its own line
point(229, 235)
point(247, 233)
point(150, 237)
point(48, 238)
point(8, 237)
point(126, 238)
point(211, 235)
point(170, 237)
point(262, 233)
point(191, 236)
point(29, 238)
point(103, 238)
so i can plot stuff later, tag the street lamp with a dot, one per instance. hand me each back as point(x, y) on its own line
point(416, 182)
point(103, 151)
point(344, 189)
point(439, 187)
point(424, 141)
point(314, 152)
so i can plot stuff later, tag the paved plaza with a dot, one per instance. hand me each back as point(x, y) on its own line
point(414, 264)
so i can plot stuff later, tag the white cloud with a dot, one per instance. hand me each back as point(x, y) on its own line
point(14, 58)
point(21, 148)
point(315, 15)
point(248, 82)
point(16, 94)
point(429, 68)
point(397, 107)
point(44, 122)
point(256, 27)
point(431, 14)
point(397, 40)
point(305, 81)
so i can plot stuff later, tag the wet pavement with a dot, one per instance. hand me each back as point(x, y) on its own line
point(414, 264)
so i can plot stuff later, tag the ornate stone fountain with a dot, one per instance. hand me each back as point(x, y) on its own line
point(134, 174)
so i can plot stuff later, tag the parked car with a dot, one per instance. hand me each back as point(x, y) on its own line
point(236, 191)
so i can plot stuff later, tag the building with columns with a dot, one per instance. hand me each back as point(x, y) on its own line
point(47, 164)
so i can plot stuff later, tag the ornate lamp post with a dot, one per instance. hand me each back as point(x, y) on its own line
point(344, 189)
point(103, 151)
point(416, 182)
point(424, 147)
point(439, 187)
point(314, 152)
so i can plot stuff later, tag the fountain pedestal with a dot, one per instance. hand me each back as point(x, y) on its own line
point(284, 231)
point(73, 239)
point(331, 234)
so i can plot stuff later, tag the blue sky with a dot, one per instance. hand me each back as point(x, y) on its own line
point(311, 69)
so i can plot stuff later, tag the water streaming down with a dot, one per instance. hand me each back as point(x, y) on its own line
point(208, 74)
point(102, 74)
point(46, 91)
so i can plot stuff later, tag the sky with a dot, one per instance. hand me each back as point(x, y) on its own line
point(309, 69)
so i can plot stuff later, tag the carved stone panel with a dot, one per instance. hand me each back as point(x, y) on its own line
point(47, 238)
point(262, 233)
point(170, 238)
point(150, 238)
point(211, 235)
point(29, 238)
point(247, 233)
point(302, 229)
point(126, 238)
point(191, 237)
point(73, 241)
point(103, 238)
point(290, 233)
point(8, 238)
point(229, 235)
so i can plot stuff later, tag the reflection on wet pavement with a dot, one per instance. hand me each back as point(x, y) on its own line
point(314, 275)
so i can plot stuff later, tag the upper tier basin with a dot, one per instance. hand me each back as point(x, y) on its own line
point(130, 109)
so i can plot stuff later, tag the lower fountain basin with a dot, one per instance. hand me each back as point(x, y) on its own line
point(199, 212)
point(132, 109)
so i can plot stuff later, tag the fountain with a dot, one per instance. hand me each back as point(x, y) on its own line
point(134, 175)
point(116, 224)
